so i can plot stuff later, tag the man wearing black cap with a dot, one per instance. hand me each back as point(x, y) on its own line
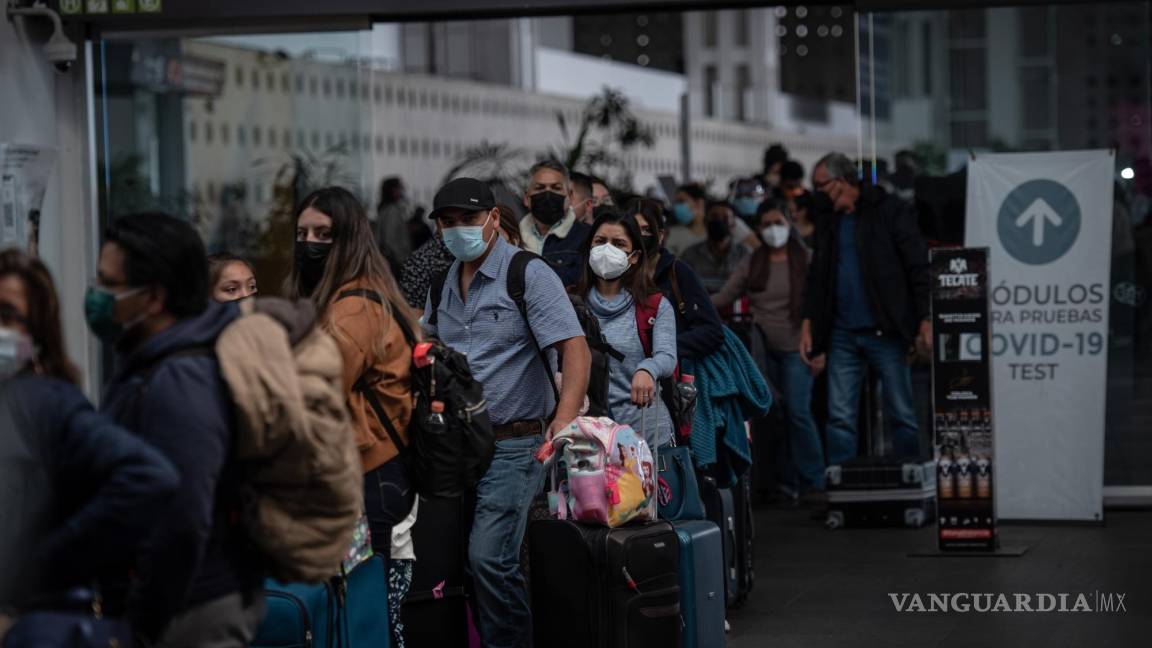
point(472, 312)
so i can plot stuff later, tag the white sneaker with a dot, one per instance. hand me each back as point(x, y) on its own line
point(727, 627)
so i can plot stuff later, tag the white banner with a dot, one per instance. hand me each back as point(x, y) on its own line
point(1047, 221)
point(24, 171)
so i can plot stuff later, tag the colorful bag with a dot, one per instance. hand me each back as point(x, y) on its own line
point(610, 478)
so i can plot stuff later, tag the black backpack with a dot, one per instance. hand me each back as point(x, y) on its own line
point(451, 461)
point(599, 347)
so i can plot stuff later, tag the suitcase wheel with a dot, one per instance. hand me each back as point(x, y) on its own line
point(834, 521)
point(914, 518)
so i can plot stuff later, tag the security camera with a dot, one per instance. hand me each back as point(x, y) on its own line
point(59, 50)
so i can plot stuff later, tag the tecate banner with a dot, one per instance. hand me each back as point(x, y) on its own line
point(962, 400)
point(1047, 221)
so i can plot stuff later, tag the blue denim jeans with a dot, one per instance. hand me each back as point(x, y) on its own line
point(502, 500)
point(848, 357)
point(388, 499)
point(803, 465)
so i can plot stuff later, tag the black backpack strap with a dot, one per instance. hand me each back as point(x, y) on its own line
point(674, 283)
point(517, 270)
point(372, 295)
point(378, 408)
point(362, 385)
point(435, 294)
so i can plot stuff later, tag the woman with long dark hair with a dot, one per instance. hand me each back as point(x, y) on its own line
point(773, 279)
point(615, 285)
point(699, 331)
point(339, 267)
point(86, 490)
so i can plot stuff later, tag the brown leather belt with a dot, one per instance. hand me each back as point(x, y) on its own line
point(519, 429)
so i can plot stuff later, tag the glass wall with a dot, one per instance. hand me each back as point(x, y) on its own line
point(948, 84)
point(231, 132)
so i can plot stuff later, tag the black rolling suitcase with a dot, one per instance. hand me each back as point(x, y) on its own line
point(745, 539)
point(881, 492)
point(435, 610)
point(609, 588)
point(721, 509)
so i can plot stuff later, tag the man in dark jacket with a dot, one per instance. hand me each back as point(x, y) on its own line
point(867, 303)
point(195, 583)
point(551, 229)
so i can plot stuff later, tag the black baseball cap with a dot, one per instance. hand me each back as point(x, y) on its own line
point(468, 194)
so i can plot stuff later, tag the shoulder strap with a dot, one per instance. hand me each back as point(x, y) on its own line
point(517, 270)
point(646, 311)
point(435, 294)
point(362, 386)
point(674, 283)
point(372, 295)
point(378, 408)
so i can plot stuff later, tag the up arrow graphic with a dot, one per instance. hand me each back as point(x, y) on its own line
point(1039, 212)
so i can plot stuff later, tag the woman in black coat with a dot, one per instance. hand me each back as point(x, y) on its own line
point(699, 331)
point(77, 492)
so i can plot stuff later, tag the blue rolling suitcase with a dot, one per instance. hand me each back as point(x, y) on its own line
point(345, 612)
point(701, 583)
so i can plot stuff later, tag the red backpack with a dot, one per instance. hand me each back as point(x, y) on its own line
point(680, 410)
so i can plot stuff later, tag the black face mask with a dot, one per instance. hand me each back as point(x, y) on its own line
point(547, 207)
point(310, 261)
point(651, 245)
point(718, 230)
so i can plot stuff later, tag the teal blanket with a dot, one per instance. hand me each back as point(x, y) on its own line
point(730, 390)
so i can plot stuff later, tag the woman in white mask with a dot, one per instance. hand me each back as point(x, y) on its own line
point(79, 492)
point(630, 310)
point(773, 279)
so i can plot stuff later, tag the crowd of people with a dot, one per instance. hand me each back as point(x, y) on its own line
point(133, 507)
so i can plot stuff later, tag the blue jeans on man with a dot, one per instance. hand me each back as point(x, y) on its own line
point(503, 498)
point(849, 356)
point(803, 467)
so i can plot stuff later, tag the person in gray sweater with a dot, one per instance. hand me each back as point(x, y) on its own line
point(614, 285)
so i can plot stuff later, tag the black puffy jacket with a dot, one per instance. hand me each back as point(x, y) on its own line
point(893, 259)
point(78, 493)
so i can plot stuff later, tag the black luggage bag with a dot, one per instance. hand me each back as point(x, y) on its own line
point(609, 588)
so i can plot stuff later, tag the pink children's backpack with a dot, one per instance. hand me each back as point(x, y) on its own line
point(611, 477)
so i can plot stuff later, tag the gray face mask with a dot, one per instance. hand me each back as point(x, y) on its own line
point(16, 352)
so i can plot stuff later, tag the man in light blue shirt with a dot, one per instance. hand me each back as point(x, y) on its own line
point(476, 317)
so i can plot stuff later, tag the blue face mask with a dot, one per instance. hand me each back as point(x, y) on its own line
point(465, 242)
point(682, 213)
point(746, 206)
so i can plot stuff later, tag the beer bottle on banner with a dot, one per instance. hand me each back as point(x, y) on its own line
point(947, 481)
point(963, 477)
point(983, 478)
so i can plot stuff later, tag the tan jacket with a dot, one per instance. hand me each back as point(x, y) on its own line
point(295, 440)
point(357, 324)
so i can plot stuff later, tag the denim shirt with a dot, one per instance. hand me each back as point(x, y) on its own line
point(489, 330)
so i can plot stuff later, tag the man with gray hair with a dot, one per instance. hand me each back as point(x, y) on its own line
point(866, 302)
point(551, 228)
